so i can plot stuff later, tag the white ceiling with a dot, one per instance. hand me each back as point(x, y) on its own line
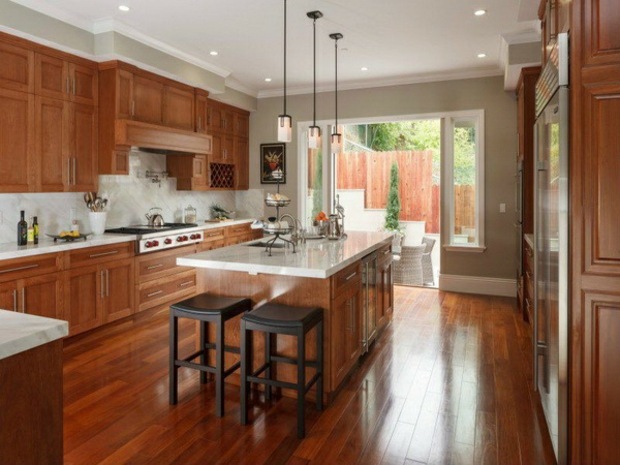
point(400, 41)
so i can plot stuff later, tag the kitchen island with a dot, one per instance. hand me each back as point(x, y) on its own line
point(321, 273)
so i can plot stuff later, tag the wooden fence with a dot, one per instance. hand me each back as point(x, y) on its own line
point(419, 197)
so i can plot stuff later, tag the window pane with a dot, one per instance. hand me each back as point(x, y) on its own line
point(315, 182)
point(465, 183)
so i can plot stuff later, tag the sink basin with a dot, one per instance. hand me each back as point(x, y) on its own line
point(277, 245)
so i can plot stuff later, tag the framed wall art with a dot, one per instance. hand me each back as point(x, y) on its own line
point(273, 163)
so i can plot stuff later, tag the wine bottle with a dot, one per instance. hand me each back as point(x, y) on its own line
point(22, 230)
point(30, 235)
point(35, 226)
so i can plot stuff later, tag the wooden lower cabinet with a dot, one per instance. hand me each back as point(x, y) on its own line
point(39, 295)
point(345, 327)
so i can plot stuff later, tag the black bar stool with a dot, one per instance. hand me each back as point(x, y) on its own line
point(274, 319)
point(206, 308)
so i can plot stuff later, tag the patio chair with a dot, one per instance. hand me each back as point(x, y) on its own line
point(408, 270)
point(428, 277)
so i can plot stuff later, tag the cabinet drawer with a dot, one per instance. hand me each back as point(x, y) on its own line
point(94, 255)
point(348, 276)
point(210, 245)
point(237, 230)
point(158, 264)
point(215, 234)
point(166, 290)
point(384, 255)
point(30, 266)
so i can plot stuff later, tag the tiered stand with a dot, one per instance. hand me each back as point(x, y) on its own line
point(277, 232)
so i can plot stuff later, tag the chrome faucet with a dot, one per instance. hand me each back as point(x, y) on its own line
point(298, 233)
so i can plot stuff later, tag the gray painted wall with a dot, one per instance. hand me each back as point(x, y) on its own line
point(498, 260)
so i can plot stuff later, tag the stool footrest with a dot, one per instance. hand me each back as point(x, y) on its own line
point(231, 369)
point(272, 382)
point(314, 379)
point(293, 361)
point(195, 366)
point(231, 349)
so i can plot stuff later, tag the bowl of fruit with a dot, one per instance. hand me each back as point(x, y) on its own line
point(68, 236)
point(277, 200)
point(321, 224)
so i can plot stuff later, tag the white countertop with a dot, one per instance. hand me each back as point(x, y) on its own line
point(20, 332)
point(47, 245)
point(314, 259)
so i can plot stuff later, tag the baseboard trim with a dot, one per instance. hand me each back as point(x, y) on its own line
point(478, 285)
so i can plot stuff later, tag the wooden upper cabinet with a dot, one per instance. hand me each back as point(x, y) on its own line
point(83, 148)
point(201, 106)
point(179, 107)
point(214, 116)
point(16, 141)
point(17, 68)
point(52, 143)
point(124, 94)
point(241, 124)
point(148, 96)
point(61, 79)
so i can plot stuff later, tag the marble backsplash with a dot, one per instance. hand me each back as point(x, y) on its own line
point(129, 198)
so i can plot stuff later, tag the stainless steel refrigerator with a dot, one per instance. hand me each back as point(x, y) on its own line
point(551, 197)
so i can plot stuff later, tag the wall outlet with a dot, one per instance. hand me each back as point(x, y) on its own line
point(502, 208)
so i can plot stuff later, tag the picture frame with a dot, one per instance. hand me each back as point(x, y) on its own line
point(273, 163)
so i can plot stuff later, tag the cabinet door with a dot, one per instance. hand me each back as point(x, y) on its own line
point(222, 150)
point(83, 289)
point(52, 144)
point(83, 149)
point(199, 171)
point(241, 158)
point(51, 77)
point(227, 120)
point(42, 295)
point(16, 141)
point(179, 108)
point(17, 70)
point(83, 84)
point(241, 124)
point(201, 111)
point(118, 281)
point(147, 100)
point(345, 333)
point(8, 296)
point(214, 116)
point(386, 294)
point(124, 86)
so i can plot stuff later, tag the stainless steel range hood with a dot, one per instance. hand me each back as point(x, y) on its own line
point(153, 138)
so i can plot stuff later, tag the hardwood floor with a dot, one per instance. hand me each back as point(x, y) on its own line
point(449, 382)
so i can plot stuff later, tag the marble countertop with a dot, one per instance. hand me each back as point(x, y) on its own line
point(47, 245)
point(20, 332)
point(314, 259)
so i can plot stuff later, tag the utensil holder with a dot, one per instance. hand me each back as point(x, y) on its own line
point(97, 222)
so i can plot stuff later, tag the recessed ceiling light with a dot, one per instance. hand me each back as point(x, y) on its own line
point(123, 8)
point(364, 68)
point(214, 53)
point(267, 79)
point(482, 55)
point(480, 12)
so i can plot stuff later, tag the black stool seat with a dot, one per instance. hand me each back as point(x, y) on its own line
point(213, 304)
point(208, 309)
point(273, 319)
point(284, 316)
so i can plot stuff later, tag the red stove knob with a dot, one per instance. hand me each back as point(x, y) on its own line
point(167, 241)
point(198, 236)
point(179, 238)
point(155, 243)
point(185, 238)
point(147, 244)
point(195, 236)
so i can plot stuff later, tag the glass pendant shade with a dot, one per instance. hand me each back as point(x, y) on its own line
point(285, 123)
point(336, 142)
point(314, 137)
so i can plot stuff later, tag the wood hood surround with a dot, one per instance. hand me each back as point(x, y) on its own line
point(153, 137)
point(139, 109)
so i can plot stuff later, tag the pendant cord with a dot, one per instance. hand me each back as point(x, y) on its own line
point(314, 69)
point(336, 86)
point(284, 57)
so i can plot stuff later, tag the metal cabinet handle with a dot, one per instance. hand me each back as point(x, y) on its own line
point(154, 267)
point(19, 268)
point(133, 108)
point(69, 171)
point(68, 91)
point(101, 284)
point(386, 251)
point(199, 122)
point(152, 294)
point(186, 283)
point(74, 86)
point(23, 300)
point(74, 171)
point(107, 283)
point(102, 254)
point(14, 300)
point(350, 276)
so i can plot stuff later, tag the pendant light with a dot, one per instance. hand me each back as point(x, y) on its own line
point(336, 139)
point(314, 132)
point(285, 122)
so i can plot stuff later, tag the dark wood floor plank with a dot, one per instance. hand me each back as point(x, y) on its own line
point(448, 382)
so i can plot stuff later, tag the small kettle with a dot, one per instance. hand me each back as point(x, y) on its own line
point(154, 217)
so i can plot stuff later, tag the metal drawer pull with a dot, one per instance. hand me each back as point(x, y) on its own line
point(69, 171)
point(14, 300)
point(103, 254)
point(107, 283)
point(214, 234)
point(20, 268)
point(23, 300)
point(101, 285)
point(74, 171)
point(186, 283)
point(153, 267)
point(152, 294)
point(386, 251)
point(350, 276)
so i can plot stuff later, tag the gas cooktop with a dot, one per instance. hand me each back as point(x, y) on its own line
point(147, 229)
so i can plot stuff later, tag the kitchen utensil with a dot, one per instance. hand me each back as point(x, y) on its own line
point(154, 217)
point(333, 232)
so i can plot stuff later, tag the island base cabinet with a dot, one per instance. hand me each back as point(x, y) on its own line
point(345, 332)
point(31, 406)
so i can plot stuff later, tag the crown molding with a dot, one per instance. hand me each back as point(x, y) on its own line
point(238, 86)
point(49, 43)
point(50, 10)
point(402, 81)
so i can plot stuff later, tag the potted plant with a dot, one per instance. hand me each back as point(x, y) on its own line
point(392, 209)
